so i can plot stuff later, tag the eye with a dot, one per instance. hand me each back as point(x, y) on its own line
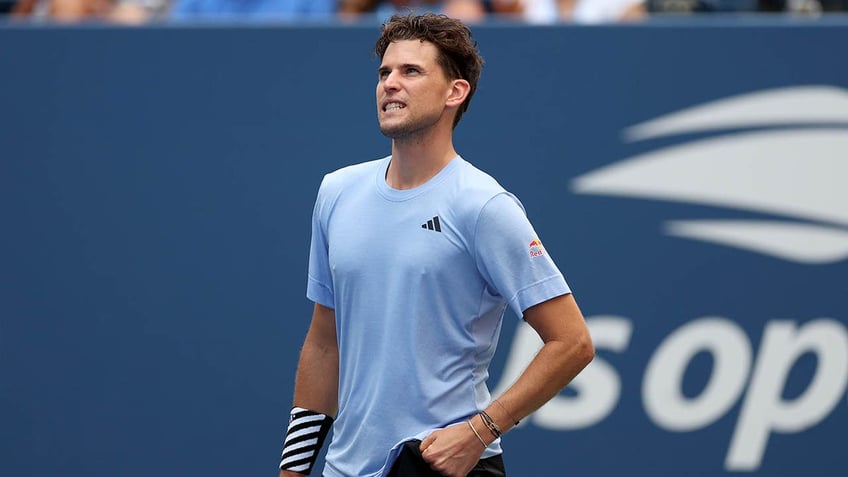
point(412, 70)
point(381, 74)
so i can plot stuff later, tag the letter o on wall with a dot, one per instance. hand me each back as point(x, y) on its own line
point(662, 387)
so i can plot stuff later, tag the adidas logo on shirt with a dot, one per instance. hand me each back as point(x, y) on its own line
point(432, 224)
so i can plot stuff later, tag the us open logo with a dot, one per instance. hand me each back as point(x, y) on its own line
point(794, 166)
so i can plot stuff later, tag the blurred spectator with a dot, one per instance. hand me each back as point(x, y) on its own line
point(803, 6)
point(735, 6)
point(253, 9)
point(63, 10)
point(123, 11)
point(601, 11)
point(467, 10)
point(470, 11)
point(6, 6)
point(582, 11)
point(697, 6)
point(139, 11)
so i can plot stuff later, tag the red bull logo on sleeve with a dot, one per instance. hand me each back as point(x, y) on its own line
point(536, 249)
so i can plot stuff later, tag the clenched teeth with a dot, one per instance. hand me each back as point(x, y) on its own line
point(393, 106)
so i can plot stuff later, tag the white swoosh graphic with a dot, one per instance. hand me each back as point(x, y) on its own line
point(797, 242)
point(798, 173)
point(774, 107)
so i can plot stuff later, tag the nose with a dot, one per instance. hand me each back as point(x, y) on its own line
point(390, 82)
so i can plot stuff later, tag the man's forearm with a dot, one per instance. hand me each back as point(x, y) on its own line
point(556, 365)
point(567, 350)
point(315, 394)
point(317, 382)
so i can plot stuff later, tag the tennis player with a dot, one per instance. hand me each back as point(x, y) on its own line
point(414, 258)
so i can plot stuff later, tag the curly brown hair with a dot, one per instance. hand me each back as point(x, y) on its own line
point(458, 54)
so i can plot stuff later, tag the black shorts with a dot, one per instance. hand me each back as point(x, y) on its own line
point(410, 464)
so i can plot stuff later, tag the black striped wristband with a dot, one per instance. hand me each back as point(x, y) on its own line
point(304, 438)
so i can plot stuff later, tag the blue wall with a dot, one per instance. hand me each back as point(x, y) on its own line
point(156, 187)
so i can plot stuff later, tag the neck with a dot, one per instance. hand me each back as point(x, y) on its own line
point(415, 160)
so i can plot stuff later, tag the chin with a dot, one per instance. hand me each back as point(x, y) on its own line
point(394, 131)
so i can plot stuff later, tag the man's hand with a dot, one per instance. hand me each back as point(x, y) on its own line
point(288, 473)
point(452, 451)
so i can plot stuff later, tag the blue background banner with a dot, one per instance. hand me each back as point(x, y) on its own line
point(156, 187)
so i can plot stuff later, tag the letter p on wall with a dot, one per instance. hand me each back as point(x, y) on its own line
point(764, 411)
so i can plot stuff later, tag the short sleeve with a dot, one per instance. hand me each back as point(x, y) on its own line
point(319, 287)
point(511, 257)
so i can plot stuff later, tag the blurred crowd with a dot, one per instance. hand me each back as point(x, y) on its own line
point(531, 11)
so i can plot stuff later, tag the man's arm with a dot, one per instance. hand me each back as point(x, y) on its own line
point(566, 351)
point(317, 383)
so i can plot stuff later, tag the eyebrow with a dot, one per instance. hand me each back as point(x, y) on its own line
point(404, 65)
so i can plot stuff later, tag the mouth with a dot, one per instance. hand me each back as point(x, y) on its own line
point(393, 106)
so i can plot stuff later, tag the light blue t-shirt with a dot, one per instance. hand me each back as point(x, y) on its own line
point(419, 280)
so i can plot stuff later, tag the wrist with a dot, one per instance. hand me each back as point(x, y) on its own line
point(490, 424)
point(304, 438)
point(484, 435)
point(508, 421)
point(477, 435)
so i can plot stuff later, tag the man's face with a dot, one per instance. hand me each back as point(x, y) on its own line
point(411, 89)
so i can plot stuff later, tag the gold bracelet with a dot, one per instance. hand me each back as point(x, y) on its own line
point(476, 433)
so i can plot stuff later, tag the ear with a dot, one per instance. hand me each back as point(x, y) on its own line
point(460, 89)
